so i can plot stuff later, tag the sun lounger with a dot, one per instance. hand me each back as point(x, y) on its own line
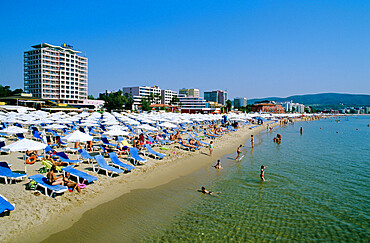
point(104, 166)
point(85, 155)
point(20, 136)
point(43, 182)
point(134, 154)
point(106, 142)
point(79, 175)
point(7, 173)
point(64, 158)
point(5, 206)
point(116, 162)
point(154, 153)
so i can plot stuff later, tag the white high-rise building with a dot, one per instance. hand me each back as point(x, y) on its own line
point(56, 73)
point(167, 96)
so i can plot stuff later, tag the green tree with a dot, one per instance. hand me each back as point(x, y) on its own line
point(6, 91)
point(175, 100)
point(129, 101)
point(229, 105)
point(114, 101)
point(90, 97)
point(145, 104)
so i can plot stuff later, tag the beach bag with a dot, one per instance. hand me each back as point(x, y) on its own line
point(31, 185)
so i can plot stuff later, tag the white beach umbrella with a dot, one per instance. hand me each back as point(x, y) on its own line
point(24, 145)
point(55, 126)
point(167, 124)
point(78, 136)
point(116, 132)
point(147, 127)
point(14, 130)
point(117, 127)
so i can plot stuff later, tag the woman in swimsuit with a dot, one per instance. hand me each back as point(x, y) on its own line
point(53, 180)
point(238, 151)
point(262, 175)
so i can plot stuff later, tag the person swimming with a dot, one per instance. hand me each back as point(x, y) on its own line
point(203, 190)
point(262, 175)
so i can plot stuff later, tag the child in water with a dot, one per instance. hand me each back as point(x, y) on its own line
point(218, 165)
point(238, 151)
point(262, 175)
point(252, 141)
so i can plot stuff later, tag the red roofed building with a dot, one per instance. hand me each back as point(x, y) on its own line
point(268, 107)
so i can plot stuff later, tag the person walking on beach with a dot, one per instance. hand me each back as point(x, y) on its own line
point(238, 151)
point(262, 175)
point(252, 141)
point(218, 165)
point(210, 148)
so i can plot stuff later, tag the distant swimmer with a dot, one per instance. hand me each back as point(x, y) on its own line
point(203, 190)
point(252, 141)
point(301, 130)
point(218, 165)
point(238, 151)
point(262, 175)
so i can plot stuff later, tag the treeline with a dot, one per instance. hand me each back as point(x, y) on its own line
point(5, 91)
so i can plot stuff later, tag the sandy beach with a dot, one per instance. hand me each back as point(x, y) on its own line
point(40, 216)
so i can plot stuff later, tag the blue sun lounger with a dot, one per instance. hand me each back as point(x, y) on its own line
point(42, 181)
point(85, 155)
point(79, 174)
point(5, 205)
point(154, 153)
point(134, 154)
point(7, 173)
point(64, 158)
point(106, 142)
point(104, 166)
point(116, 162)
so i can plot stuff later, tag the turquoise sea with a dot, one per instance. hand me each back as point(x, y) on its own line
point(316, 189)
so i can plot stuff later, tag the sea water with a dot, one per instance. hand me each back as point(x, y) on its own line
point(316, 189)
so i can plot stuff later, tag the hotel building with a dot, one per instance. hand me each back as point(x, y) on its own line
point(189, 92)
point(139, 92)
point(56, 73)
point(218, 96)
point(240, 102)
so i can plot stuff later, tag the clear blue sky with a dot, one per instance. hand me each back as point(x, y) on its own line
point(251, 48)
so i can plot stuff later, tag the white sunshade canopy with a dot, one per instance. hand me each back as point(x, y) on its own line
point(147, 127)
point(78, 136)
point(167, 124)
point(116, 132)
point(14, 130)
point(24, 145)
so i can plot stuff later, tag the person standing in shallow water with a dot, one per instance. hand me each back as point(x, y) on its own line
point(238, 151)
point(262, 175)
point(252, 141)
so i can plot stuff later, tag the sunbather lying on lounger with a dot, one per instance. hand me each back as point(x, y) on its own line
point(189, 145)
point(194, 142)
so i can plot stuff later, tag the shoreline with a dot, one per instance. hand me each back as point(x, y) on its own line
point(148, 176)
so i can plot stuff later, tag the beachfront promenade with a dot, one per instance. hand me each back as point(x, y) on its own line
point(143, 149)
